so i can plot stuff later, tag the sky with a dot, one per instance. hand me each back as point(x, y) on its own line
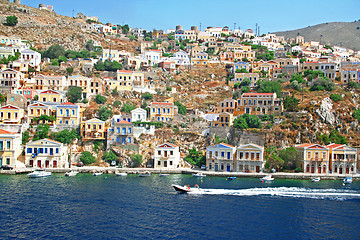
point(270, 15)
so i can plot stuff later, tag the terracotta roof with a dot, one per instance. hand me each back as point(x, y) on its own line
point(2, 131)
point(161, 103)
point(304, 145)
point(257, 94)
point(225, 144)
point(334, 145)
point(9, 106)
point(125, 71)
point(124, 122)
point(68, 103)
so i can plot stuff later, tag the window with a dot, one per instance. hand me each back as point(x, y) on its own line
point(159, 163)
point(29, 150)
point(308, 154)
point(171, 163)
point(129, 130)
point(159, 152)
point(222, 154)
point(57, 150)
point(171, 153)
point(8, 161)
point(324, 155)
point(8, 144)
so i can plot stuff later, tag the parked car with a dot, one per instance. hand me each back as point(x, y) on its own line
point(79, 164)
point(5, 167)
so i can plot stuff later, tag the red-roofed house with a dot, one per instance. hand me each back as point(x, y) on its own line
point(162, 111)
point(93, 129)
point(10, 114)
point(343, 159)
point(313, 158)
point(167, 155)
point(259, 104)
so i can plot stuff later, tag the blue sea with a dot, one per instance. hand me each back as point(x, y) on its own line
point(131, 207)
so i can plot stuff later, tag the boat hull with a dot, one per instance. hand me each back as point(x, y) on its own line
point(181, 189)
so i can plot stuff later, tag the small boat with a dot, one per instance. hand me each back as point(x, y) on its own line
point(144, 174)
point(186, 189)
point(199, 174)
point(230, 178)
point(39, 173)
point(97, 173)
point(267, 178)
point(348, 180)
point(71, 174)
point(164, 174)
point(121, 174)
point(316, 179)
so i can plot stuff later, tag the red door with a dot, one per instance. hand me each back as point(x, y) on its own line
point(347, 170)
point(55, 164)
point(319, 169)
point(340, 170)
point(47, 163)
point(39, 163)
point(324, 169)
point(257, 168)
point(31, 163)
point(307, 168)
point(312, 169)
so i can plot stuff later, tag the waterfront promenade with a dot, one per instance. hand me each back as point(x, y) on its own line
point(112, 170)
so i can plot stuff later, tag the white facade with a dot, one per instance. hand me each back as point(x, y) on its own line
point(138, 115)
point(250, 158)
point(220, 158)
point(46, 153)
point(181, 58)
point(153, 56)
point(167, 155)
point(32, 56)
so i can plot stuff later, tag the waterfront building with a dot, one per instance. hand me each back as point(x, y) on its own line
point(249, 158)
point(312, 158)
point(10, 148)
point(162, 111)
point(46, 153)
point(167, 155)
point(220, 158)
point(10, 114)
point(342, 159)
point(93, 129)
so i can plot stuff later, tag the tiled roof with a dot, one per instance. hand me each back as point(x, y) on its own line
point(334, 145)
point(124, 122)
point(257, 94)
point(161, 103)
point(227, 145)
point(2, 131)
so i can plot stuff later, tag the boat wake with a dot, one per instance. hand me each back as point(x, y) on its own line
point(295, 192)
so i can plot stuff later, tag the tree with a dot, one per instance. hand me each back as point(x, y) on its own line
point(274, 161)
point(87, 158)
point(117, 103)
point(100, 99)
point(356, 114)
point(252, 121)
point(25, 137)
point(147, 96)
point(242, 70)
point(66, 136)
point(114, 92)
point(322, 84)
point(289, 155)
point(270, 87)
point(108, 66)
point(74, 94)
point(181, 108)
point(195, 157)
point(337, 137)
point(2, 98)
point(109, 156)
point(136, 159)
point(89, 45)
point(297, 77)
point(125, 29)
point(54, 51)
point(105, 113)
point(11, 20)
point(240, 123)
point(127, 107)
point(291, 103)
point(352, 84)
point(336, 97)
point(132, 37)
point(69, 70)
point(42, 132)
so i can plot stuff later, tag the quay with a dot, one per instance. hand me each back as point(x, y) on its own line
point(112, 170)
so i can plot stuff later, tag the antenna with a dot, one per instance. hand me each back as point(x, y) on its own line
point(200, 27)
point(234, 26)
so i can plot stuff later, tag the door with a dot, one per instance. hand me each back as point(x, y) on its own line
point(216, 167)
point(165, 163)
point(324, 169)
point(47, 163)
point(123, 141)
point(55, 164)
point(51, 151)
point(39, 163)
point(307, 168)
point(31, 163)
point(347, 170)
point(228, 168)
point(319, 169)
point(257, 169)
point(340, 170)
point(312, 169)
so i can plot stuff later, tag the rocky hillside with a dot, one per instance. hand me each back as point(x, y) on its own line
point(343, 34)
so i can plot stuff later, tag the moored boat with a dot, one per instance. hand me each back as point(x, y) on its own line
point(39, 173)
point(71, 174)
point(348, 180)
point(267, 178)
point(316, 179)
point(230, 178)
point(199, 174)
point(121, 174)
point(163, 174)
point(97, 173)
point(144, 174)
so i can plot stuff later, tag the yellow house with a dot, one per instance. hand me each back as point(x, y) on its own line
point(80, 81)
point(10, 114)
point(93, 129)
point(249, 158)
point(10, 148)
point(37, 109)
point(225, 119)
point(50, 96)
point(239, 77)
point(68, 115)
point(313, 158)
point(124, 80)
point(163, 111)
point(200, 59)
point(342, 159)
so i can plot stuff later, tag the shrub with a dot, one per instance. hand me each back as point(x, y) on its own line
point(291, 103)
point(117, 103)
point(74, 94)
point(181, 108)
point(100, 99)
point(336, 97)
point(127, 107)
point(147, 96)
point(322, 84)
point(356, 114)
point(87, 158)
point(11, 20)
point(105, 113)
point(136, 159)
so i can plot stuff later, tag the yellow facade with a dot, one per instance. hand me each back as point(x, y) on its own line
point(50, 96)
point(224, 120)
point(93, 129)
point(313, 158)
point(68, 114)
point(10, 148)
point(37, 109)
point(10, 114)
point(163, 112)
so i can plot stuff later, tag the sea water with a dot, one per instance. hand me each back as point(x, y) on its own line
point(131, 207)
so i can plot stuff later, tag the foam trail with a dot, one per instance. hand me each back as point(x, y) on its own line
point(339, 194)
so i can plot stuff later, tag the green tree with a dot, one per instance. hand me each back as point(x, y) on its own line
point(105, 113)
point(100, 99)
point(252, 121)
point(127, 107)
point(54, 51)
point(69, 70)
point(25, 137)
point(109, 156)
point(136, 159)
point(74, 94)
point(89, 45)
point(11, 20)
point(322, 84)
point(114, 92)
point(117, 103)
point(125, 29)
point(2, 98)
point(297, 77)
point(66, 136)
point(87, 158)
point(289, 155)
point(352, 84)
point(274, 161)
point(42, 132)
point(337, 137)
point(55, 62)
point(240, 123)
point(336, 97)
point(195, 157)
point(132, 37)
point(291, 103)
point(270, 87)
point(147, 96)
point(356, 114)
point(242, 70)
point(181, 108)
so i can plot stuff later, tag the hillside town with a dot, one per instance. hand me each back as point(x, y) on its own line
point(219, 99)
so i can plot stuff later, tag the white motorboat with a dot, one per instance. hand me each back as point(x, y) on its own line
point(121, 174)
point(144, 174)
point(97, 173)
point(71, 174)
point(348, 180)
point(186, 189)
point(39, 173)
point(267, 178)
point(164, 174)
point(199, 174)
point(316, 179)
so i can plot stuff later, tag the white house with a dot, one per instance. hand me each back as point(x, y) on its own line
point(167, 155)
point(153, 56)
point(220, 157)
point(46, 153)
point(138, 115)
point(32, 56)
point(250, 158)
point(181, 58)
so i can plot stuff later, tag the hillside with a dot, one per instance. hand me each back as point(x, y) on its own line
point(342, 34)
